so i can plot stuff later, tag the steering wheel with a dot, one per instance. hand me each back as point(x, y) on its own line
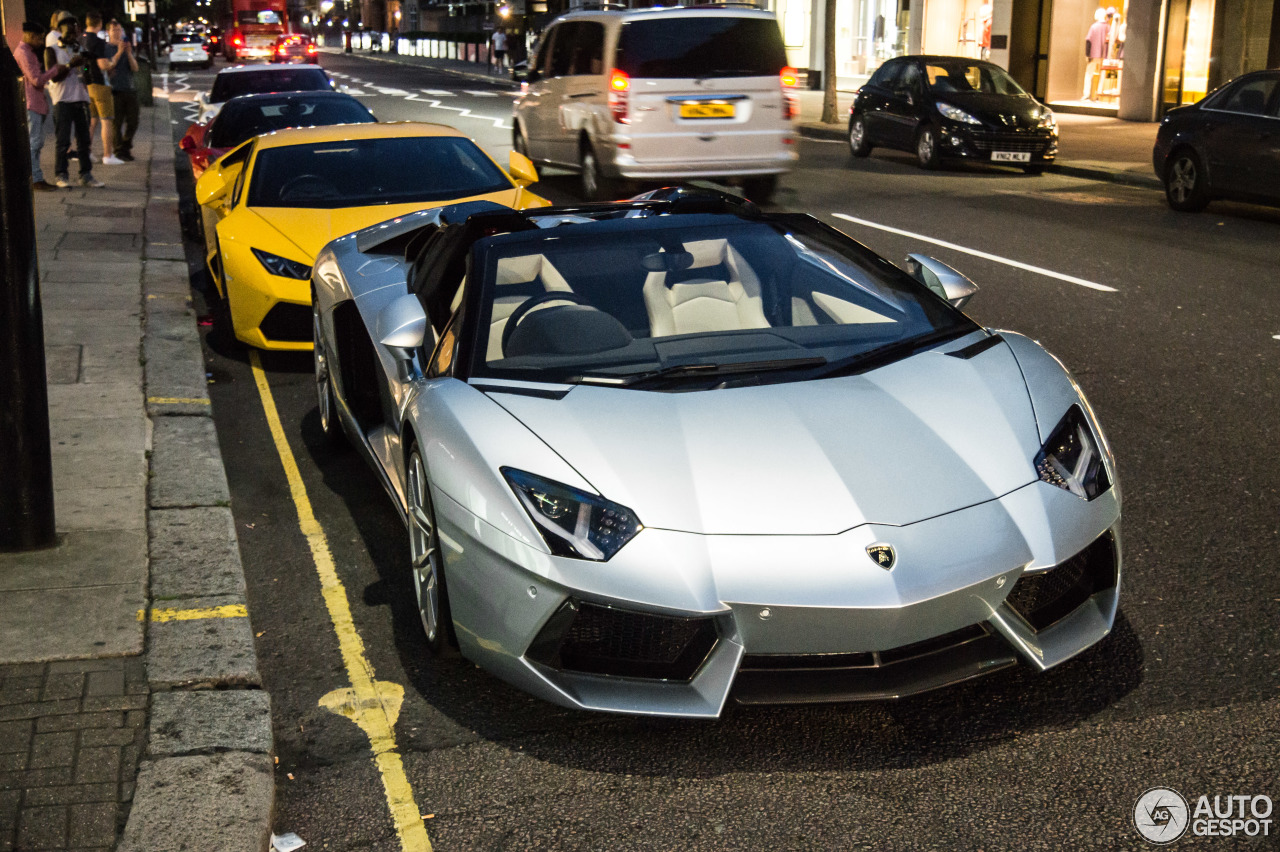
point(294, 183)
point(531, 303)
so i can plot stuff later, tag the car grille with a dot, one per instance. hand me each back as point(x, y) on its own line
point(287, 323)
point(1021, 142)
point(605, 640)
point(1046, 597)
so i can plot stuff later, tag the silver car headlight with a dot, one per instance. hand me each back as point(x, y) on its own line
point(1047, 121)
point(1071, 460)
point(282, 266)
point(572, 522)
point(956, 114)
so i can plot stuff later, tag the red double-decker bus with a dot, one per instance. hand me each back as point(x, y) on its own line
point(250, 28)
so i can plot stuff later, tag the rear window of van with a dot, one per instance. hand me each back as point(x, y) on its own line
point(700, 47)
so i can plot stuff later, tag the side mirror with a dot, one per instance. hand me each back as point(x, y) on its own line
point(213, 186)
point(187, 143)
point(941, 279)
point(402, 326)
point(522, 170)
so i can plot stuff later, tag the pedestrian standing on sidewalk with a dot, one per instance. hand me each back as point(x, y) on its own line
point(101, 103)
point(34, 79)
point(499, 49)
point(51, 40)
point(70, 104)
point(122, 66)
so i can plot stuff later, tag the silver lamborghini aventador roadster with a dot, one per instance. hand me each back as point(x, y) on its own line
point(659, 454)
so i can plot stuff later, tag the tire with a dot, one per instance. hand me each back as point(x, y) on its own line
point(596, 186)
point(859, 141)
point(1185, 187)
point(426, 563)
point(927, 148)
point(760, 189)
point(326, 400)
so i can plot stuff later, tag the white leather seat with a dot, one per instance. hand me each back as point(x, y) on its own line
point(518, 270)
point(727, 298)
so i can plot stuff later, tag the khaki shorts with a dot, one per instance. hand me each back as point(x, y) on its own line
point(101, 103)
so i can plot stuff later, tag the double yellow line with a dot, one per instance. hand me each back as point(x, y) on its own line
point(372, 704)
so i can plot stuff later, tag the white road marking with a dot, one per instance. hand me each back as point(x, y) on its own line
point(397, 93)
point(1039, 270)
point(499, 123)
point(1275, 337)
point(480, 94)
point(440, 93)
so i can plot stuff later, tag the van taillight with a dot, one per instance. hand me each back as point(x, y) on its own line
point(619, 96)
point(790, 80)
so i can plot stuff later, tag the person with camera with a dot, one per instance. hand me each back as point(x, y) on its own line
point(120, 67)
point(70, 103)
point(35, 78)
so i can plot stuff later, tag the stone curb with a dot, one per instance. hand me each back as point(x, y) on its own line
point(207, 779)
point(814, 130)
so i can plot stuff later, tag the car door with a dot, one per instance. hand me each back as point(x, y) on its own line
point(1240, 138)
point(217, 192)
point(583, 95)
point(531, 110)
point(905, 107)
point(873, 101)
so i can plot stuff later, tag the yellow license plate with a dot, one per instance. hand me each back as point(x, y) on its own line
point(703, 110)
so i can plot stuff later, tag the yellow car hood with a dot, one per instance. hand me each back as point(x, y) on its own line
point(311, 229)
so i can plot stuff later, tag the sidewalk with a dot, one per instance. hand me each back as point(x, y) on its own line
point(1092, 147)
point(130, 713)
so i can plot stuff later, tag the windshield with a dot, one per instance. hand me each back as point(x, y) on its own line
point(962, 76)
point(688, 46)
point(364, 172)
point(227, 85)
point(240, 120)
point(609, 302)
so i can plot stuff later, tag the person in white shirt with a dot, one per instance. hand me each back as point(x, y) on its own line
point(499, 40)
point(70, 104)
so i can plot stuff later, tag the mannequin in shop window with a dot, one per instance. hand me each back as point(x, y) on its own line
point(1095, 50)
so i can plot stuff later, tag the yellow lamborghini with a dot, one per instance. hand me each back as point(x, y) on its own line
point(272, 203)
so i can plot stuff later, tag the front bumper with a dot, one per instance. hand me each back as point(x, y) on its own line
point(785, 619)
point(963, 141)
point(269, 311)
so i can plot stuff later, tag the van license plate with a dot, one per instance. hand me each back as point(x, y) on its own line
point(706, 110)
point(1011, 156)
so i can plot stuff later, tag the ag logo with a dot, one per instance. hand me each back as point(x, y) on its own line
point(882, 555)
point(1160, 815)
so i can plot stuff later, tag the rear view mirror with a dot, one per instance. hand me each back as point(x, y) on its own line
point(522, 170)
point(941, 279)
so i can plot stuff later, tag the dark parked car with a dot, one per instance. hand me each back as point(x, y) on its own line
point(251, 115)
point(295, 47)
point(1225, 146)
point(949, 107)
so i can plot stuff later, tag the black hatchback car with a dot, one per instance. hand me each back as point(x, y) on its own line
point(949, 107)
point(1225, 146)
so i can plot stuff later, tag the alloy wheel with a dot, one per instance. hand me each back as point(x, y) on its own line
point(324, 396)
point(1182, 180)
point(424, 550)
point(590, 176)
point(927, 148)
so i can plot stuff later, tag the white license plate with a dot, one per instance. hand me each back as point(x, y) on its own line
point(1011, 156)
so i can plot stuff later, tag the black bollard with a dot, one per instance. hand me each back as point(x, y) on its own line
point(26, 466)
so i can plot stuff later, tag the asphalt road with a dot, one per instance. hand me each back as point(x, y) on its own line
point(1177, 345)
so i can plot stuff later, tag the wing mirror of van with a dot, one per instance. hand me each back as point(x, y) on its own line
point(951, 285)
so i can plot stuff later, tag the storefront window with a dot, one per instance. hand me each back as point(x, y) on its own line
point(1086, 53)
point(1188, 39)
point(867, 33)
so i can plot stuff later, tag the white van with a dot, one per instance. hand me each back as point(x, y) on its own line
point(662, 94)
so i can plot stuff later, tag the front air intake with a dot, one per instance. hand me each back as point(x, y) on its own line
point(605, 640)
point(1044, 598)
